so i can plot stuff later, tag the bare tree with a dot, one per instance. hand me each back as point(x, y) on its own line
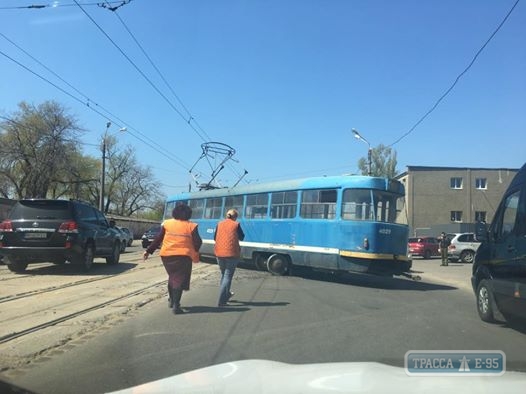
point(40, 158)
point(37, 143)
point(130, 187)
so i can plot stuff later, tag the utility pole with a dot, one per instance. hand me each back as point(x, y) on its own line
point(103, 172)
point(369, 151)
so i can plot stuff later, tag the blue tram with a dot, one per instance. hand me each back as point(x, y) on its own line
point(337, 223)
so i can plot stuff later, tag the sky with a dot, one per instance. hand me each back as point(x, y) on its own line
point(282, 82)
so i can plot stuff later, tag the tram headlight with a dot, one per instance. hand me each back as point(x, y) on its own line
point(366, 244)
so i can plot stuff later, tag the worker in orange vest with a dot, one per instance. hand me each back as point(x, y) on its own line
point(227, 235)
point(180, 243)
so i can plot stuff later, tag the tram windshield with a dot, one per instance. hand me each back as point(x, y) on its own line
point(373, 205)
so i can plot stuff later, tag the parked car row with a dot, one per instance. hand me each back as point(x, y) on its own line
point(462, 247)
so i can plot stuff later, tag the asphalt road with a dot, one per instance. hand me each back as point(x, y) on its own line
point(304, 318)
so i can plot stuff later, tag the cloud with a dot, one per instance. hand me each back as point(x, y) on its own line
point(58, 19)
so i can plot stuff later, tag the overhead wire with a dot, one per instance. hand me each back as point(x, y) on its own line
point(114, 119)
point(54, 5)
point(191, 119)
point(150, 82)
point(457, 78)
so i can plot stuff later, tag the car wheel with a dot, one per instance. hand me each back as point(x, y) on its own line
point(123, 247)
point(467, 256)
point(278, 264)
point(115, 256)
point(485, 301)
point(16, 265)
point(427, 254)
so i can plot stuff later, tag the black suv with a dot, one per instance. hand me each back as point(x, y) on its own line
point(57, 231)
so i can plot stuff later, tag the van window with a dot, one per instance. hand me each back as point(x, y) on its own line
point(507, 219)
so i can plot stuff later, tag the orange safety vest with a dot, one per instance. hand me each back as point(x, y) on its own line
point(177, 239)
point(227, 240)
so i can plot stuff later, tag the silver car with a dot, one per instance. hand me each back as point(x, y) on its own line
point(463, 247)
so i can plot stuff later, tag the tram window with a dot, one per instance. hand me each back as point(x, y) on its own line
point(197, 208)
point(318, 204)
point(356, 205)
point(169, 208)
point(257, 206)
point(234, 202)
point(213, 208)
point(283, 205)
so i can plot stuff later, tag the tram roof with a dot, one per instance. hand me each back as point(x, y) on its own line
point(354, 181)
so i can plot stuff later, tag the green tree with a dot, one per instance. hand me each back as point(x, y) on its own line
point(383, 162)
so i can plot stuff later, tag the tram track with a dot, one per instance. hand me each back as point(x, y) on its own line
point(78, 300)
point(37, 292)
point(53, 322)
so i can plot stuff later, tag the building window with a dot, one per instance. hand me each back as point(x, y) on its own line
point(481, 183)
point(480, 216)
point(456, 216)
point(318, 204)
point(456, 183)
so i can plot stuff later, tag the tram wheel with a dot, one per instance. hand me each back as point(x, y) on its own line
point(260, 262)
point(278, 264)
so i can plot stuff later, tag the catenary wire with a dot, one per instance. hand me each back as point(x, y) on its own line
point(190, 118)
point(141, 72)
point(41, 6)
point(169, 156)
point(457, 78)
point(89, 100)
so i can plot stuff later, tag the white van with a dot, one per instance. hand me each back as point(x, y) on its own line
point(499, 271)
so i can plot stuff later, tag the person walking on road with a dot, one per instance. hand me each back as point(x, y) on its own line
point(180, 243)
point(227, 250)
point(444, 242)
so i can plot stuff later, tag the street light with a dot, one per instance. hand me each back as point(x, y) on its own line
point(103, 170)
point(369, 151)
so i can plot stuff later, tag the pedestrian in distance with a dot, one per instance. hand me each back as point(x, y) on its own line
point(227, 250)
point(444, 242)
point(180, 243)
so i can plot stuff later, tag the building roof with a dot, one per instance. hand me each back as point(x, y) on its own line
point(437, 168)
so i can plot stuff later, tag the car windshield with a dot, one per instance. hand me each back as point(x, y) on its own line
point(273, 189)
